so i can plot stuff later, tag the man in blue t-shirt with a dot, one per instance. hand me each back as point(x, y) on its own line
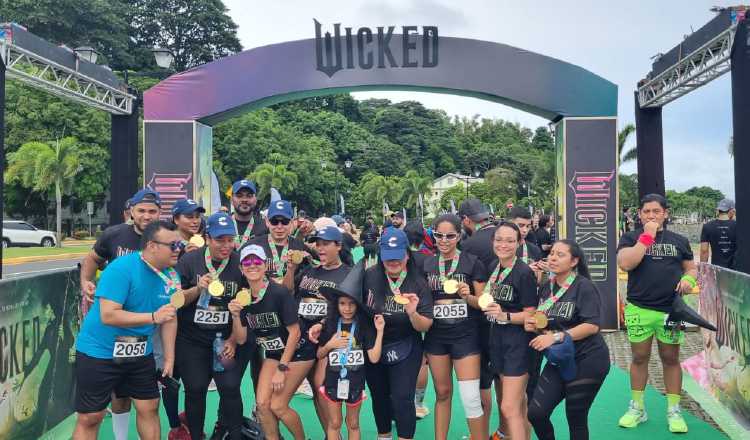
point(114, 347)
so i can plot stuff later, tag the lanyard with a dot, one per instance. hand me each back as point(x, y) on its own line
point(454, 265)
point(525, 255)
point(261, 292)
point(547, 304)
point(210, 266)
point(171, 279)
point(497, 277)
point(396, 285)
point(279, 261)
point(240, 241)
point(345, 354)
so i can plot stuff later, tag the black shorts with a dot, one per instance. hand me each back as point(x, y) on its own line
point(509, 350)
point(98, 378)
point(306, 349)
point(458, 349)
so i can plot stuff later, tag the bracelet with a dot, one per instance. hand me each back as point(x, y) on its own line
point(646, 239)
point(690, 279)
point(153, 321)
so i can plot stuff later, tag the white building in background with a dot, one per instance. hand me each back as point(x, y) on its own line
point(443, 184)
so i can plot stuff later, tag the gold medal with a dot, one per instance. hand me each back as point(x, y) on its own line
point(485, 300)
point(243, 297)
point(278, 280)
point(216, 288)
point(296, 257)
point(177, 299)
point(450, 286)
point(400, 299)
point(197, 241)
point(541, 320)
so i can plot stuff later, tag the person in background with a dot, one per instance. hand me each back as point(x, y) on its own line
point(719, 236)
point(246, 215)
point(126, 218)
point(369, 239)
point(397, 220)
point(187, 214)
point(544, 234)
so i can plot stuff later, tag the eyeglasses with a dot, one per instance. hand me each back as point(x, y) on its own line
point(276, 220)
point(174, 246)
point(253, 261)
point(450, 237)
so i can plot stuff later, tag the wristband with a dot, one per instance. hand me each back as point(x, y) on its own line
point(153, 321)
point(690, 279)
point(646, 239)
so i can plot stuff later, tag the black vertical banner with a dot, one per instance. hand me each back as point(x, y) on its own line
point(591, 200)
point(169, 161)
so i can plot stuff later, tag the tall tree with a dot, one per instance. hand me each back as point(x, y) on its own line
point(413, 186)
point(40, 166)
point(273, 175)
point(622, 139)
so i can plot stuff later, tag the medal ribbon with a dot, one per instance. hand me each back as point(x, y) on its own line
point(171, 278)
point(396, 285)
point(240, 241)
point(279, 261)
point(525, 256)
point(261, 292)
point(210, 266)
point(497, 277)
point(441, 266)
point(345, 354)
point(547, 304)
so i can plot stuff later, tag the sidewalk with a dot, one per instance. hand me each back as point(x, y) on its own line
point(71, 249)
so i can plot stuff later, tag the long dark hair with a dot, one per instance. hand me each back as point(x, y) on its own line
point(332, 319)
point(582, 268)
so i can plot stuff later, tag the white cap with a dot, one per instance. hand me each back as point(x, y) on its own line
point(252, 249)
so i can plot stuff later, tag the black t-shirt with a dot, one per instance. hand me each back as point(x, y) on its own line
point(268, 319)
point(447, 325)
point(116, 241)
point(294, 244)
point(194, 325)
point(652, 283)
point(420, 257)
point(259, 226)
point(722, 236)
point(531, 238)
point(379, 300)
point(518, 289)
point(480, 244)
point(543, 237)
point(369, 235)
point(364, 339)
point(307, 291)
point(533, 252)
point(581, 304)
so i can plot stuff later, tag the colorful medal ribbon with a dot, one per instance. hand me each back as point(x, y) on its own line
point(345, 354)
point(396, 285)
point(279, 261)
point(497, 277)
point(210, 266)
point(261, 292)
point(171, 278)
point(547, 304)
point(240, 241)
point(525, 256)
point(454, 265)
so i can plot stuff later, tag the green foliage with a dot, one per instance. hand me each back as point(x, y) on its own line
point(629, 190)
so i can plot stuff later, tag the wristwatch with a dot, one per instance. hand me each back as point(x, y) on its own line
point(558, 337)
point(283, 367)
point(507, 316)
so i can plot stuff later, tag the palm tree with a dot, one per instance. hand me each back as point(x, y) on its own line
point(378, 189)
point(39, 166)
point(622, 139)
point(413, 185)
point(273, 175)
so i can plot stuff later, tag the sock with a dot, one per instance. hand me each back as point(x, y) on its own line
point(120, 425)
point(637, 397)
point(673, 400)
point(419, 396)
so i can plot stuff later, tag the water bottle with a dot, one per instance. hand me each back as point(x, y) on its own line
point(203, 299)
point(218, 348)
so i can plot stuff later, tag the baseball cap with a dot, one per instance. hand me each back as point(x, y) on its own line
point(244, 184)
point(330, 233)
point(280, 208)
point(146, 195)
point(220, 224)
point(398, 214)
point(725, 205)
point(252, 249)
point(302, 214)
point(187, 206)
point(474, 210)
point(338, 219)
point(393, 244)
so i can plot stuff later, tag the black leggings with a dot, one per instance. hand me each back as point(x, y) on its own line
point(392, 388)
point(579, 394)
point(196, 369)
point(170, 398)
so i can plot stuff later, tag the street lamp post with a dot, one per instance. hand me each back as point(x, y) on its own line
point(468, 178)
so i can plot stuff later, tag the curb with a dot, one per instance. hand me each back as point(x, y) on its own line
point(37, 258)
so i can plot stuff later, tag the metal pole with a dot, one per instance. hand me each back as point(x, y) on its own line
point(741, 131)
point(2, 155)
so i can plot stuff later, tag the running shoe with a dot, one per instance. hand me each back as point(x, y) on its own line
point(422, 411)
point(499, 435)
point(180, 433)
point(633, 417)
point(305, 389)
point(677, 424)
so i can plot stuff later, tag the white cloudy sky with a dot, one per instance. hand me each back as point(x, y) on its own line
point(612, 39)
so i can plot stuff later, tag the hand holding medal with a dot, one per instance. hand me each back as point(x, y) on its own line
point(540, 320)
point(296, 256)
point(197, 241)
point(177, 299)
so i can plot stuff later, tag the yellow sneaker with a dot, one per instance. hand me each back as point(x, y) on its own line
point(677, 424)
point(633, 417)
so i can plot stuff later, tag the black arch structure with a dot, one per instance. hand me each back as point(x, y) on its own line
point(180, 111)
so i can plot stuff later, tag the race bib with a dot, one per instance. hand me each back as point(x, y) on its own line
point(355, 357)
point(450, 311)
point(211, 317)
point(275, 344)
point(314, 309)
point(129, 347)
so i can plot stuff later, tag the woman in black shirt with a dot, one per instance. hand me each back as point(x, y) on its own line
point(572, 307)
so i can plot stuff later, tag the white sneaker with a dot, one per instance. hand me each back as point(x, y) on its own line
point(422, 411)
point(212, 386)
point(305, 389)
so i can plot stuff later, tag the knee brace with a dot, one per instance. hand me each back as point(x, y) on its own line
point(470, 397)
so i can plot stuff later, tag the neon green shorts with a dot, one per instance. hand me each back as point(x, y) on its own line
point(644, 323)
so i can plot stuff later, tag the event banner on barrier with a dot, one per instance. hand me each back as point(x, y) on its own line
point(39, 318)
point(723, 368)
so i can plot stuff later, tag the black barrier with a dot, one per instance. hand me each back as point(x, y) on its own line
point(39, 319)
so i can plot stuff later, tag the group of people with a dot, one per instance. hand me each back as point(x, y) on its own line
point(196, 299)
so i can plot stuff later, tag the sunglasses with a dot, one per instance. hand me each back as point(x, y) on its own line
point(174, 246)
point(253, 261)
point(450, 237)
point(276, 220)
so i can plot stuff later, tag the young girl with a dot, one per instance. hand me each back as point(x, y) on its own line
point(343, 341)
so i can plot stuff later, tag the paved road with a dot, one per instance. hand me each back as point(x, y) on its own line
point(36, 268)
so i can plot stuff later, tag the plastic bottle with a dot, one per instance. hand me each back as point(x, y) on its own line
point(218, 348)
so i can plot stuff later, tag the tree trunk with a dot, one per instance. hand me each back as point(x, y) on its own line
point(58, 211)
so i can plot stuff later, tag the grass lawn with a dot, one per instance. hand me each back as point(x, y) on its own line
point(13, 252)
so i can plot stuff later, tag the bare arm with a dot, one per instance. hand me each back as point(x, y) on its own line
point(629, 258)
point(374, 353)
point(291, 343)
point(473, 300)
point(419, 322)
point(520, 317)
point(90, 264)
point(704, 252)
point(168, 335)
point(583, 331)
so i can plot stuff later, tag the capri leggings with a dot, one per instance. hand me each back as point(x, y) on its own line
point(392, 388)
point(579, 394)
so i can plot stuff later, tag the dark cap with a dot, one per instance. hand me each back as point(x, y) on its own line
point(725, 205)
point(146, 195)
point(187, 206)
point(474, 210)
point(244, 184)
